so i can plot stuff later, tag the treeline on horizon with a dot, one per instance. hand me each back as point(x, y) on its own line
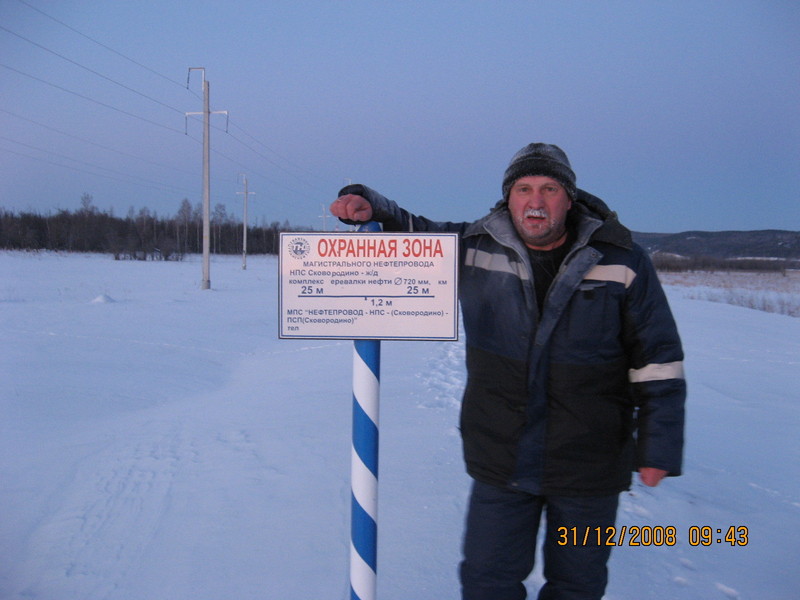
point(141, 235)
point(670, 262)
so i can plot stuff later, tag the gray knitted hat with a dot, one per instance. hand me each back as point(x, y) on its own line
point(540, 159)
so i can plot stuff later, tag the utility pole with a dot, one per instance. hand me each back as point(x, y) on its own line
point(206, 174)
point(324, 217)
point(244, 224)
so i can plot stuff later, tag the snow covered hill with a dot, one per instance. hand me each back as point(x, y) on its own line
point(158, 441)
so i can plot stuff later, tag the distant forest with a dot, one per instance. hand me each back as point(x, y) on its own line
point(141, 235)
point(667, 262)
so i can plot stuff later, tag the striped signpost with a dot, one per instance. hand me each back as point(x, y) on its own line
point(364, 465)
point(364, 470)
point(368, 286)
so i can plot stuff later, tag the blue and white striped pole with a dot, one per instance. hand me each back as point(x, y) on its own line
point(364, 465)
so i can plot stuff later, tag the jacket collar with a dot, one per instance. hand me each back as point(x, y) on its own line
point(589, 216)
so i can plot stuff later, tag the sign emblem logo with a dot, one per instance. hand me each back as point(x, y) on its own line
point(298, 247)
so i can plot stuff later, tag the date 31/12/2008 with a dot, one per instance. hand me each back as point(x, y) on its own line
point(651, 535)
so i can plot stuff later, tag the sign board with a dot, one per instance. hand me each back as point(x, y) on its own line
point(383, 286)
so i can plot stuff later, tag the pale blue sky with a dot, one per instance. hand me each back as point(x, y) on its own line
point(681, 115)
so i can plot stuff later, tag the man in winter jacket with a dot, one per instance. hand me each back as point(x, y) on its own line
point(574, 375)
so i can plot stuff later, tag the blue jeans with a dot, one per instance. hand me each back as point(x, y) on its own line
point(500, 544)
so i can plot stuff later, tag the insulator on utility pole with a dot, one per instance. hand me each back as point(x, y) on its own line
point(206, 174)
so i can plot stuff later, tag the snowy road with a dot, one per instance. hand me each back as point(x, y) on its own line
point(158, 441)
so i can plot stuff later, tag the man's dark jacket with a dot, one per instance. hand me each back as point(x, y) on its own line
point(569, 401)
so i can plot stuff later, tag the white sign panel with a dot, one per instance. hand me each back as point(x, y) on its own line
point(389, 286)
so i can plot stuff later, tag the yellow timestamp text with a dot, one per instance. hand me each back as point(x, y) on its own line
point(652, 535)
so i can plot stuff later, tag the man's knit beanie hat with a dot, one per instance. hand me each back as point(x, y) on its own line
point(540, 159)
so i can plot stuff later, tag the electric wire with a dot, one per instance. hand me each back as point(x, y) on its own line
point(160, 75)
point(83, 162)
point(63, 89)
point(234, 161)
point(92, 71)
point(253, 150)
point(109, 48)
point(257, 172)
point(152, 185)
point(257, 141)
point(101, 146)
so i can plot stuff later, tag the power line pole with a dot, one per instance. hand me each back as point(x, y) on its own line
point(206, 175)
point(324, 217)
point(244, 224)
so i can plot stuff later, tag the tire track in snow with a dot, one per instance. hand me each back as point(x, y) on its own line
point(106, 519)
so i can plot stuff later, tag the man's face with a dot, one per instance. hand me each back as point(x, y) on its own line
point(538, 207)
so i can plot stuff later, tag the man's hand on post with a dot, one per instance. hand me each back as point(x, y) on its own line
point(352, 208)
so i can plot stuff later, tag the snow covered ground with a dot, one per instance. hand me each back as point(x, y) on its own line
point(159, 442)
